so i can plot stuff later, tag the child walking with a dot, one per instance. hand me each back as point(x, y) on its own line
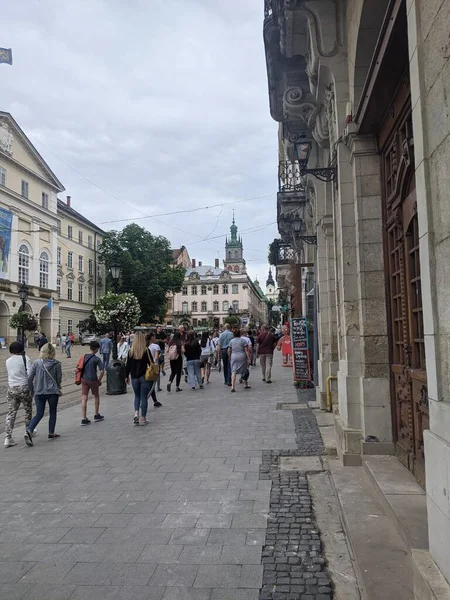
point(91, 380)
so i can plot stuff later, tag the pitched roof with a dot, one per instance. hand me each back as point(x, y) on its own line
point(71, 212)
point(176, 253)
point(204, 270)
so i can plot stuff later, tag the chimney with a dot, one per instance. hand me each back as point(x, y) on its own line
point(217, 263)
point(200, 263)
point(68, 201)
point(193, 263)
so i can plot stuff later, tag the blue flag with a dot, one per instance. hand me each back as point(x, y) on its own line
point(6, 56)
point(50, 304)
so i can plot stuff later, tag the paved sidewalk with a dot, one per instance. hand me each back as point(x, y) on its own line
point(174, 510)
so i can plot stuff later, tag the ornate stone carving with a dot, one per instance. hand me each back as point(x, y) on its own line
point(6, 138)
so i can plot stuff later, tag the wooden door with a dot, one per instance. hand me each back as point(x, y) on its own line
point(404, 293)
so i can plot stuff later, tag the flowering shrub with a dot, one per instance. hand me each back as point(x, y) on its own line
point(23, 320)
point(122, 310)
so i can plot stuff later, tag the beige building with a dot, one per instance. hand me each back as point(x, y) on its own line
point(212, 293)
point(28, 229)
point(360, 88)
point(80, 278)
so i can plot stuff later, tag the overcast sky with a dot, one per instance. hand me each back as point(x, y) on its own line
point(161, 104)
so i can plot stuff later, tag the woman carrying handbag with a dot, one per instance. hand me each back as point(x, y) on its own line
point(141, 368)
point(45, 378)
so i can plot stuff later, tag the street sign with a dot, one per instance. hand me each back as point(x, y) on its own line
point(276, 308)
point(244, 320)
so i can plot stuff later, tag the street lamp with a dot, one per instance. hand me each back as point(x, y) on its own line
point(303, 151)
point(308, 239)
point(23, 295)
point(115, 270)
point(115, 380)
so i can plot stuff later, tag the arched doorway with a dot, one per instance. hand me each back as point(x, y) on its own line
point(4, 318)
point(45, 321)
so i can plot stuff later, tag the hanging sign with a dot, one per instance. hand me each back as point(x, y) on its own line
point(300, 349)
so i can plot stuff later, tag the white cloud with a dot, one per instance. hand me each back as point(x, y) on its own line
point(162, 104)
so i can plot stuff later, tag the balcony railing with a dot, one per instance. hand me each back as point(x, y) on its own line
point(289, 178)
point(281, 253)
point(267, 8)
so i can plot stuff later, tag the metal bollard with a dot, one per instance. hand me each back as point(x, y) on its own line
point(115, 378)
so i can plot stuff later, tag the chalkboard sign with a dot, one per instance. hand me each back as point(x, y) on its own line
point(300, 350)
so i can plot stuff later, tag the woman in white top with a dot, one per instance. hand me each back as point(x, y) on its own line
point(206, 356)
point(122, 348)
point(17, 366)
point(154, 351)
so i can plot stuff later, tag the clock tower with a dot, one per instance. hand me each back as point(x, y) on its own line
point(234, 251)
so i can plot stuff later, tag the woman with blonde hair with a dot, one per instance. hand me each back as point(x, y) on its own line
point(45, 378)
point(139, 358)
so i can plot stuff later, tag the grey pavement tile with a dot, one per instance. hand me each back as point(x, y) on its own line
point(206, 521)
point(251, 576)
point(89, 574)
point(116, 535)
point(261, 507)
point(82, 535)
point(109, 507)
point(201, 555)
point(52, 572)
point(147, 520)
point(140, 507)
point(189, 536)
point(261, 495)
point(180, 520)
point(106, 496)
point(178, 476)
point(160, 554)
point(241, 555)
point(228, 537)
point(95, 592)
point(11, 572)
point(134, 496)
point(79, 520)
point(153, 535)
point(51, 592)
point(14, 551)
point(236, 594)
point(14, 591)
point(193, 496)
point(47, 552)
point(174, 575)
point(112, 520)
point(256, 537)
point(239, 506)
point(224, 495)
point(131, 574)
point(117, 553)
point(134, 592)
point(213, 484)
point(79, 507)
point(249, 521)
point(186, 593)
point(222, 576)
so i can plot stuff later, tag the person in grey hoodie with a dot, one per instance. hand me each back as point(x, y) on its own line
point(45, 378)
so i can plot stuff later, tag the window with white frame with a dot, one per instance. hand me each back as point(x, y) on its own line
point(24, 264)
point(184, 290)
point(185, 308)
point(69, 290)
point(24, 188)
point(80, 236)
point(235, 305)
point(235, 288)
point(204, 306)
point(80, 292)
point(70, 260)
point(69, 325)
point(90, 296)
point(69, 232)
point(90, 245)
point(225, 288)
point(91, 267)
point(44, 200)
point(216, 306)
point(225, 306)
point(215, 289)
point(194, 290)
point(58, 227)
point(204, 290)
point(2, 176)
point(80, 263)
point(194, 307)
point(58, 288)
point(44, 269)
point(58, 255)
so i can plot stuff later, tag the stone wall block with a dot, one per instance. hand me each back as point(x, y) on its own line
point(428, 12)
point(371, 185)
point(371, 257)
point(369, 207)
point(378, 422)
point(376, 392)
point(370, 231)
point(439, 196)
point(436, 47)
point(373, 317)
point(373, 285)
point(376, 371)
point(374, 349)
point(438, 471)
point(436, 111)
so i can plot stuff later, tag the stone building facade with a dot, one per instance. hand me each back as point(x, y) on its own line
point(34, 241)
point(360, 88)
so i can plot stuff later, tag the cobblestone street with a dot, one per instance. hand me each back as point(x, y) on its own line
point(177, 509)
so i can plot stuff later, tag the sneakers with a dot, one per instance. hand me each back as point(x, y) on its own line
point(144, 421)
point(157, 404)
point(85, 422)
point(202, 387)
point(136, 420)
point(168, 387)
point(178, 390)
point(164, 373)
point(53, 436)
point(98, 418)
point(9, 442)
point(159, 390)
point(28, 437)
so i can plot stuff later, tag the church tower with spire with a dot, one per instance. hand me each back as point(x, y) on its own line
point(234, 251)
point(271, 288)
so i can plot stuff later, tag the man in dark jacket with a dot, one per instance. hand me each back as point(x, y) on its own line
point(42, 340)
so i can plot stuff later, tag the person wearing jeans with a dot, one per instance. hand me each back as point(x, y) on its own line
point(139, 358)
point(45, 378)
point(176, 361)
point(224, 341)
point(142, 389)
point(265, 345)
point(193, 351)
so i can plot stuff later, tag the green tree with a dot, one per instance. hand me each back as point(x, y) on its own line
point(147, 269)
point(120, 310)
point(233, 321)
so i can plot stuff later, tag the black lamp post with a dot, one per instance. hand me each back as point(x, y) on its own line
point(303, 150)
point(298, 227)
point(116, 271)
point(23, 295)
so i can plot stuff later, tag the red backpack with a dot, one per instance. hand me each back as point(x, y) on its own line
point(81, 364)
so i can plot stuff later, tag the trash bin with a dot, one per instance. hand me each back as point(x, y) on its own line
point(115, 378)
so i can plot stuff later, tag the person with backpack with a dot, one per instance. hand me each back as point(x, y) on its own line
point(18, 365)
point(265, 345)
point(176, 361)
point(42, 341)
point(44, 378)
point(206, 356)
point(89, 374)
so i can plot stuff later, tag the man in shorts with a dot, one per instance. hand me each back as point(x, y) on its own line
point(93, 372)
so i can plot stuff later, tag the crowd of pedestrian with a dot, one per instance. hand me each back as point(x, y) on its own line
point(232, 351)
